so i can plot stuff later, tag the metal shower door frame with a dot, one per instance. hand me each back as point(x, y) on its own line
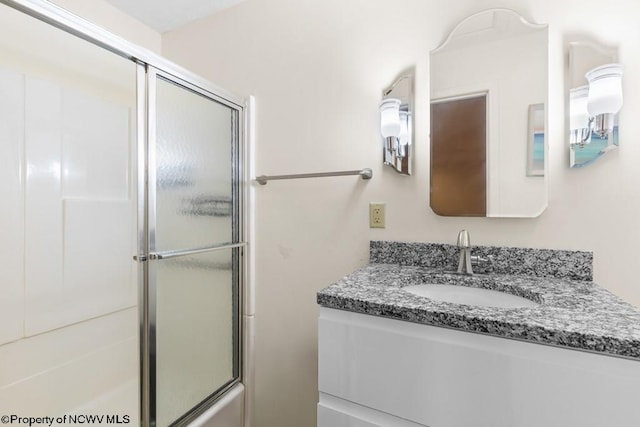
point(147, 79)
point(149, 62)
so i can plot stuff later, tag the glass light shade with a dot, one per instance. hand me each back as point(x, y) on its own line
point(605, 89)
point(403, 138)
point(390, 118)
point(578, 114)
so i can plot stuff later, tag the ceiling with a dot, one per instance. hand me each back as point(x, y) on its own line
point(167, 15)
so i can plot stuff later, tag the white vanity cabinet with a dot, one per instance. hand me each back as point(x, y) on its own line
point(376, 371)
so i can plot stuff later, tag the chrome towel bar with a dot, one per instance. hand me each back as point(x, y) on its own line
point(364, 173)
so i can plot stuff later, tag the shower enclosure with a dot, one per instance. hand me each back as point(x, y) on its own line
point(121, 231)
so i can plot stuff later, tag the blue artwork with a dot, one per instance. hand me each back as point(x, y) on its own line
point(538, 151)
point(536, 142)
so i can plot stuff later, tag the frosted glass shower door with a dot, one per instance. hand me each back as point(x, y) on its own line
point(194, 249)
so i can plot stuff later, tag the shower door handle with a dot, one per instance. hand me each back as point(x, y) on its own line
point(186, 252)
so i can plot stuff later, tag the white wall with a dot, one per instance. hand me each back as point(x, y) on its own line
point(317, 70)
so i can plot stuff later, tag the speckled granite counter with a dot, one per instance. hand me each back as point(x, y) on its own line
point(573, 313)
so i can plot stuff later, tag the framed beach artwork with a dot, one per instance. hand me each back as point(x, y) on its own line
point(535, 141)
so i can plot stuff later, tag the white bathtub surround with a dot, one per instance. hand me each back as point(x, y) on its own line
point(90, 365)
point(69, 287)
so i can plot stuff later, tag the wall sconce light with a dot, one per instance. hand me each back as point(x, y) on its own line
point(404, 137)
point(579, 123)
point(595, 76)
point(390, 126)
point(396, 125)
point(592, 108)
point(605, 97)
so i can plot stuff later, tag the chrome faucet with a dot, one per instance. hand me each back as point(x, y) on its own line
point(464, 244)
point(466, 260)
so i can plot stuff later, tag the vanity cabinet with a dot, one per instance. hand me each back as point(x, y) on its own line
point(376, 371)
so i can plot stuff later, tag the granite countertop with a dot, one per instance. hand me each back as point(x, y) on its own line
point(573, 313)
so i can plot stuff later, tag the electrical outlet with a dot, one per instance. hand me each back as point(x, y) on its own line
point(377, 215)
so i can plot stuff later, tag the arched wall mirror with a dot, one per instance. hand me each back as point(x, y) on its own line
point(489, 86)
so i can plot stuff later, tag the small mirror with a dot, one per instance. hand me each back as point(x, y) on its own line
point(592, 135)
point(488, 119)
point(396, 124)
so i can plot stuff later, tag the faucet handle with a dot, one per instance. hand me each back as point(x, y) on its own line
point(477, 260)
point(464, 241)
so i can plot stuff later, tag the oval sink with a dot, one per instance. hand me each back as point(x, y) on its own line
point(470, 296)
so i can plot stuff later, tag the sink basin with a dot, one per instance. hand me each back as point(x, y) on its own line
point(470, 296)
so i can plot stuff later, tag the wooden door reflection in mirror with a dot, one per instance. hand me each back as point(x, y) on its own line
point(459, 156)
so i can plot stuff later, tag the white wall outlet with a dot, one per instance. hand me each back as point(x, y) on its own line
point(377, 215)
